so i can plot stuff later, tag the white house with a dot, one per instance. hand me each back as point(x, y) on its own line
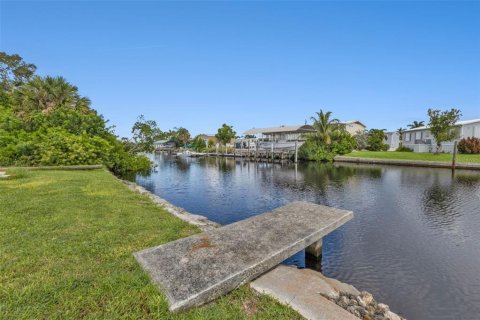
point(421, 140)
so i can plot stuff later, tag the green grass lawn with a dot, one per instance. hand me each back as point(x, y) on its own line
point(66, 244)
point(394, 155)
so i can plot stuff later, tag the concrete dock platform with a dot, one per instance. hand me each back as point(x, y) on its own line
point(303, 290)
point(200, 268)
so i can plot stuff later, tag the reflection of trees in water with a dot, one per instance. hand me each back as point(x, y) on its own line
point(467, 178)
point(311, 178)
point(420, 176)
point(371, 171)
point(221, 163)
point(329, 173)
point(225, 165)
point(441, 201)
point(183, 164)
point(326, 172)
point(444, 200)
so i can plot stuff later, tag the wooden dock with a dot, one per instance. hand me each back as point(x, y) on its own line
point(259, 156)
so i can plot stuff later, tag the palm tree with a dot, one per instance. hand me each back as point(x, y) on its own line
point(325, 126)
point(416, 124)
point(400, 132)
point(183, 136)
point(49, 93)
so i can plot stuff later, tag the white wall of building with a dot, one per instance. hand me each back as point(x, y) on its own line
point(423, 141)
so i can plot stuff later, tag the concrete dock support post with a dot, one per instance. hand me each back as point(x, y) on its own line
point(315, 249)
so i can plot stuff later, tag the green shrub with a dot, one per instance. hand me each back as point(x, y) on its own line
point(198, 144)
point(376, 140)
point(378, 147)
point(361, 140)
point(44, 121)
point(315, 150)
point(404, 149)
point(312, 150)
point(343, 143)
point(469, 145)
point(63, 137)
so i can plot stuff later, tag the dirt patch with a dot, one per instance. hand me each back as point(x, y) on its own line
point(203, 243)
point(250, 308)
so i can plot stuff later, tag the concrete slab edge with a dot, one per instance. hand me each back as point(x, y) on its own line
point(247, 275)
point(204, 224)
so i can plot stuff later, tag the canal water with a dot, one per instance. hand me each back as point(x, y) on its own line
point(414, 241)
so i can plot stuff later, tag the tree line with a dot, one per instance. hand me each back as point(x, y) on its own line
point(332, 138)
point(146, 132)
point(45, 121)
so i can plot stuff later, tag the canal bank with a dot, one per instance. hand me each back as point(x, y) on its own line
point(67, 240)
point(307, 291)
point(415, 229)
point(410, 163)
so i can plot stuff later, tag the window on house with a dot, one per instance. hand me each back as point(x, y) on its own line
point(407, 136)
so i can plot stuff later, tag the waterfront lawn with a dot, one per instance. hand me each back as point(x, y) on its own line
point(417, 156)
point(66, 244)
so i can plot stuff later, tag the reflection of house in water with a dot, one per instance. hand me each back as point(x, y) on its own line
point(283, 137)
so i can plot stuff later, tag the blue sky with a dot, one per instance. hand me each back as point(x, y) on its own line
point(255, 64)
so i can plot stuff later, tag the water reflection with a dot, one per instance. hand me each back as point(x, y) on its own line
point(440, 202)
point(414, 241)
point(470, 178)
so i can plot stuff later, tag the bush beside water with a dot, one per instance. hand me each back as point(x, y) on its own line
point(469, 146)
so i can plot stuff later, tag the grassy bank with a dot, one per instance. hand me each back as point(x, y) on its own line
point(66, 244)
point(417, 156)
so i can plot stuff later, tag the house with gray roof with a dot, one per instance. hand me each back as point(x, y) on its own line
point(421, 140)
point(282, 137)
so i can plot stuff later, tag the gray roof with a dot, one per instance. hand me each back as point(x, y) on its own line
point(282, 129)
